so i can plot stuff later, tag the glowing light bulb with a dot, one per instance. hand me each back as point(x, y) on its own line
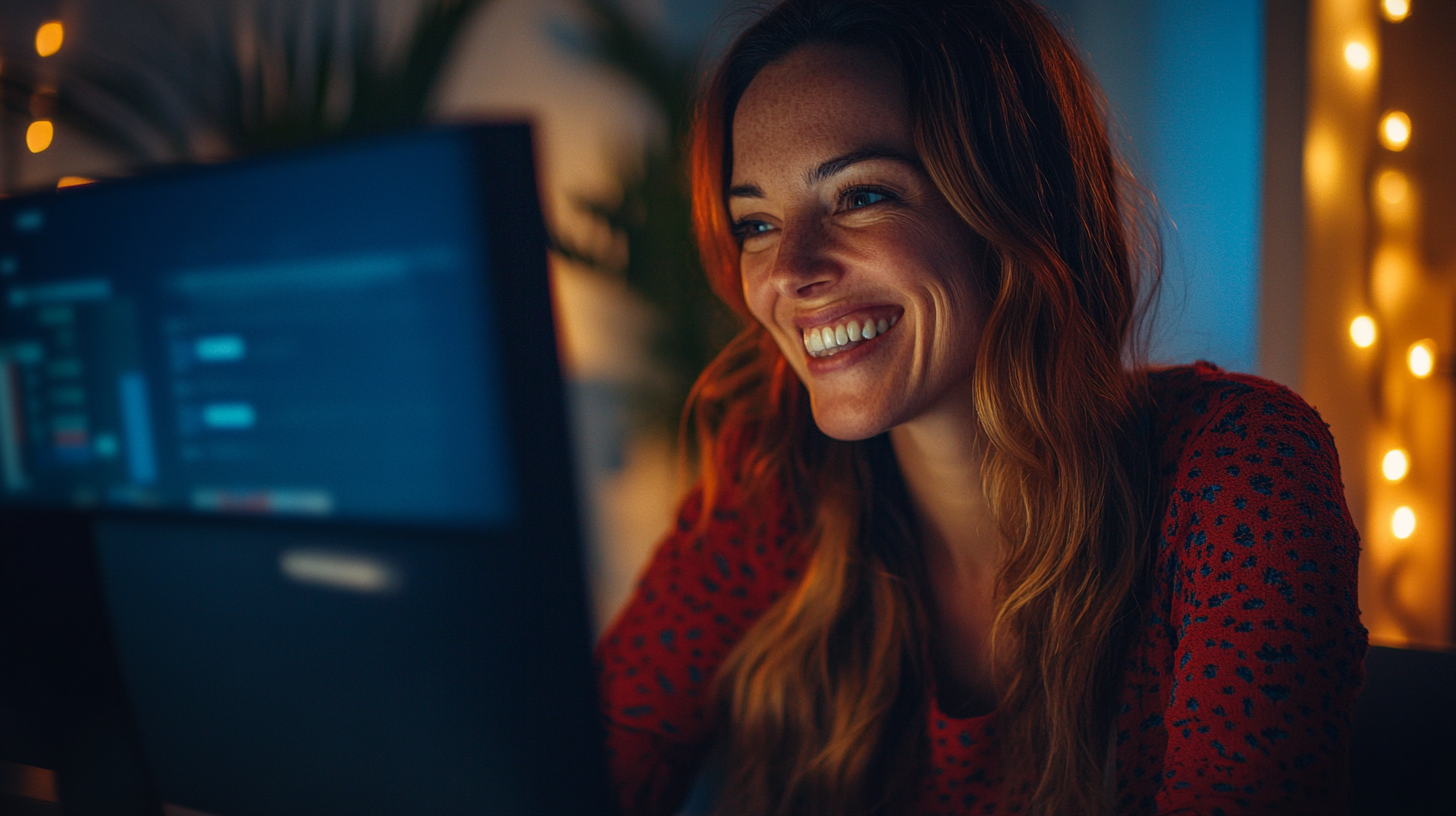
point(1395, 465)
point(1362, 331)
point(39, 135)
point(1395, 130)
point(1393, 186)
point(73, 181)
point(1403, 523)
point(1396, 10)
point(1422, 358)
point(48, 38)
point(1357, 54)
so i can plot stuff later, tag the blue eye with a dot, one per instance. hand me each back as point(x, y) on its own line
point(864, 198)
point(748, 229)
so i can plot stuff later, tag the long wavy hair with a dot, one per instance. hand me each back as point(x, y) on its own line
point(822, 703)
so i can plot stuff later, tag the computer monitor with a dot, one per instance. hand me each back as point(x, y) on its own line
point(306, 409)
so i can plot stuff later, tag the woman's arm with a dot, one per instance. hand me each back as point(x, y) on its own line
point(698, 595)
point(1268, 645)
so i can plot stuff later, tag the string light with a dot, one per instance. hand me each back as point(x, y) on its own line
point(1395, 130)
point(1403, 523)
point(48, 38)
point(1357, 54)
point(1362, 331)
point(1396, 10)
point(1393, 186)
point(1395, 465)
point(39, 135)
point(1422, 358)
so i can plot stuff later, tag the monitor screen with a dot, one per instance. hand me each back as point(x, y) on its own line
point(302, 337)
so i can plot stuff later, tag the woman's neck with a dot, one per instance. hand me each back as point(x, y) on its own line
point(940, 455)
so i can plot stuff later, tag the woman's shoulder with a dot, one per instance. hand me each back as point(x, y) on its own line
point(1189, 393)
point(736, 533)
point(1198, 403)
point(1244, 460)
point(1250, 478)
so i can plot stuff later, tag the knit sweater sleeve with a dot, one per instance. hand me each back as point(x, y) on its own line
point(703, 588)
point(1261, 555)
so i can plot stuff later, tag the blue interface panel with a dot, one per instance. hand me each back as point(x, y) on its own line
point(301, 336)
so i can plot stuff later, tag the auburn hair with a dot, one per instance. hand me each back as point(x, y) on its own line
point(822, 702)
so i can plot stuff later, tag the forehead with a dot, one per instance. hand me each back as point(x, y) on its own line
point(818, 102)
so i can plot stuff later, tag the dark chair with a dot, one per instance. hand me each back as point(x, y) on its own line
point(1403, 756)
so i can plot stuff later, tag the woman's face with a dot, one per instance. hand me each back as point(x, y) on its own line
point(852, 259)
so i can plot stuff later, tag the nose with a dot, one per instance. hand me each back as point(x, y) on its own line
point(804, 265)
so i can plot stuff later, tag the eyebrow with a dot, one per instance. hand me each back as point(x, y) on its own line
point(829, 168)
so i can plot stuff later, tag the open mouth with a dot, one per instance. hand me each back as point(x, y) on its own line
point(843, 335)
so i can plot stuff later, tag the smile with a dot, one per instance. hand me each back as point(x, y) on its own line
point(827, 341)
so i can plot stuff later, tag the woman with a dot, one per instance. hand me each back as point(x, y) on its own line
point(949, 553)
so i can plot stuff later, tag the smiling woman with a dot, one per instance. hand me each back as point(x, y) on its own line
point(949, 551)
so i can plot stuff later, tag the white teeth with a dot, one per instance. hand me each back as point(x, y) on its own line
point(826, 340)
point(894, 318)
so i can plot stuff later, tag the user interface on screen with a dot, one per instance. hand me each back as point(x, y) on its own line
point(306, 336)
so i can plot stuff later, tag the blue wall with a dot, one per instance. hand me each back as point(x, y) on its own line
point(1185, 81)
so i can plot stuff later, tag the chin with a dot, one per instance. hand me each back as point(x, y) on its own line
point(849, 426)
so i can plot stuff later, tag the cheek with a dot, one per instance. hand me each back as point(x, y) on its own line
point(955, 262)
point(959, 336)
point(756, 291)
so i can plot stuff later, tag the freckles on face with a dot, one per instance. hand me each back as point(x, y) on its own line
point(852, 259)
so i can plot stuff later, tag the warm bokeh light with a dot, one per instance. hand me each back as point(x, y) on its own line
point(1393, 186)
point(1403, 523)
point(39, 135)
point(1357, 54)
point(1395, 130)
point(48, 38)
point(1395, 465)
point(1322, 162)
point(1362, 331)
point(73, 181)
point(1394, 277)
point(1396, 10)
point(1422, 358)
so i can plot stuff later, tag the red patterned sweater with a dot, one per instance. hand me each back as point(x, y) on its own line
point(1236, 697)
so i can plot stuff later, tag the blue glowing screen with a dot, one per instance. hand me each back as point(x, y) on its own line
point(300, 336)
